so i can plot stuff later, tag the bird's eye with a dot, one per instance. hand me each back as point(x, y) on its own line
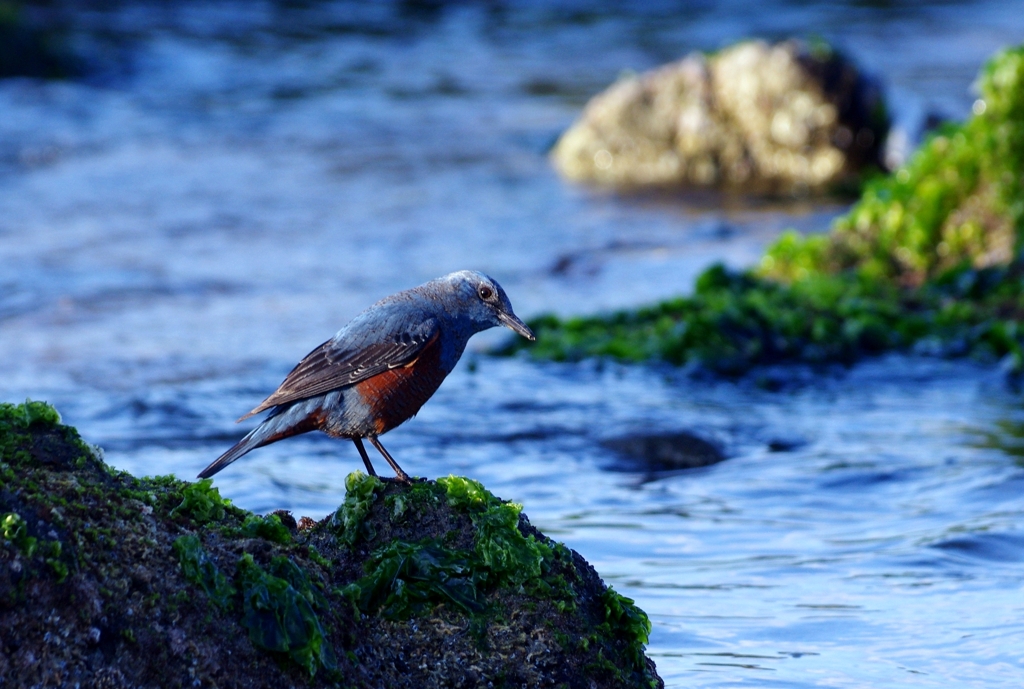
point(485, 292)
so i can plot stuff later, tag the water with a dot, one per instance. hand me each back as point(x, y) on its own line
point(235, 181)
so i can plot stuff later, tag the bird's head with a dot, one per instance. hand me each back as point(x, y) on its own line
point(482, 300)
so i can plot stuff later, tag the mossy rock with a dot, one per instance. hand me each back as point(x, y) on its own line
point(928, 259)
point(117, 581)
point(958, 202)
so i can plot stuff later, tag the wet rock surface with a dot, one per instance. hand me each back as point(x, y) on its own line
point(109, 580)
point(665, 452)
point(756, 117)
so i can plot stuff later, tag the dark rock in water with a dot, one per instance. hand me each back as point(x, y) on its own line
point(114, 581)
point(667, 452)
point(30, 49)
point(785, 443)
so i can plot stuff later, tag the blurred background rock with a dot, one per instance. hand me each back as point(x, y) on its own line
point(788, 117)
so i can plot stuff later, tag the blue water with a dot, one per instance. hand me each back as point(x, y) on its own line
point(235, 181)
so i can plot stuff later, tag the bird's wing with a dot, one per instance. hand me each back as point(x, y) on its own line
point(344, 361)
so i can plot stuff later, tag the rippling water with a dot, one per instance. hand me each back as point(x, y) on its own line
point(235, 181)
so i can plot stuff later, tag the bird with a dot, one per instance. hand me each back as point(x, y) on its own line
point(378, 370)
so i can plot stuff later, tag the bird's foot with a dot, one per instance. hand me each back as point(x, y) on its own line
point(401, 478)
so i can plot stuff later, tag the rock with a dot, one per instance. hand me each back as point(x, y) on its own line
point(33, 48)
point(666, 452)
point(755, 117)
point(110, 580)
point(785, 443)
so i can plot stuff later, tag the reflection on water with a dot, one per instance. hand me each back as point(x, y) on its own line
point(242, 178)
point(1007, 436)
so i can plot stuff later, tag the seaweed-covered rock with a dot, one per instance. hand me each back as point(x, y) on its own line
point(958, 202)
point(928, 259)
point(758, 117)
point(114, 581)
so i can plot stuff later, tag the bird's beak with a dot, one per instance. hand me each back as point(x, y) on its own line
point(510, 321)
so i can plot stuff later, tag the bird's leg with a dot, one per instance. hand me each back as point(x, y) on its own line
point(402, 476)
point(362, 453)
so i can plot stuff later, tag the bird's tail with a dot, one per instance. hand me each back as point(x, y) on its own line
point(277, 426)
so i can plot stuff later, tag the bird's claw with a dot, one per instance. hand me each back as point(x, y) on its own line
point(402, 478)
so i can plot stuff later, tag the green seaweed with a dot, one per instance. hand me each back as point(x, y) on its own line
point(285, 568)
point(14, 530)
point(407, 579)
point(31, 412)
point(268, 527)
point(201, 502)
point(959, 201)
point(419, 497)
point(359, 497)
point(280, 617)
point(624, 620)
point(315, 556)
point(15, 422)
point(52, 551)
point(198, 568)
point(736, 321)
point(503, 552)
point(929, 258)
point(466, 494)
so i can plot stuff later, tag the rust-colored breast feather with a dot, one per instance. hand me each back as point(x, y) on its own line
point(397, 394)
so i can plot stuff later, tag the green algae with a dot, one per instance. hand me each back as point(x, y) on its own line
point(959, 201)
point(406, 579)
point(414, 579)
point(509, 557)
point(503, 552)
point(467, 495)
point(15, 421)
point(623, 619)
point(315, 556)
point(53, 552)
point(201, 502)
point(929, 259)
point(29, 413)
point(278, 612)
point(200, 569)
point(736, 321)
point(430, 571)
point(14, 530)
point(268, 527)
point(359, 496)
